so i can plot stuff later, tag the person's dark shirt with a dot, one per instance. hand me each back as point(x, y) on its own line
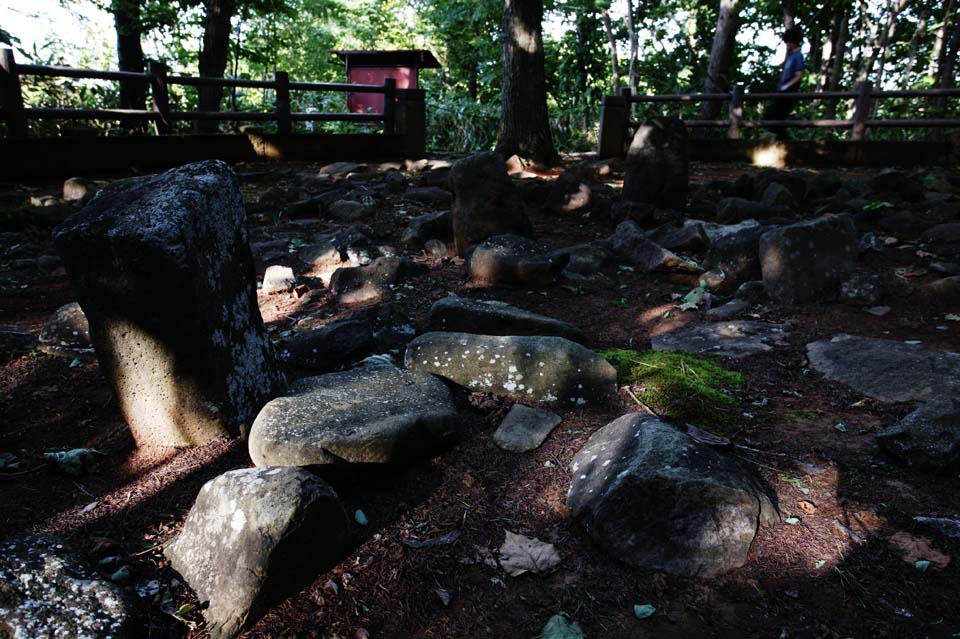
point(791, 66)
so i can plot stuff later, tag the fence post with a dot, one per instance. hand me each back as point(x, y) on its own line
point(861, 111)
point(159, 97)
point(11, 99)
point(282, 78)
point(736, 112)
point(614, 114)
point(389, 106)
point(410, 122)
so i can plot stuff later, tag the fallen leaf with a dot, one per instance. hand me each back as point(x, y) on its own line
point(806, 506)
point(642, 611)
point(184, 610)
point(520, 554)
point(559, 628)
point(793, 521)
point(913, 549)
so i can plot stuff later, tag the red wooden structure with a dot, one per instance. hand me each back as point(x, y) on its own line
point(373, 67)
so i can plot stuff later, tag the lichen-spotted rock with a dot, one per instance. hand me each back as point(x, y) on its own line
point(47, 593)
point(530, 367)
point(162, 269)
point(368, 415)
point(253, 537)
point(657, 499)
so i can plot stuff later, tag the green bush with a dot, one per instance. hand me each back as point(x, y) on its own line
point(679, 386)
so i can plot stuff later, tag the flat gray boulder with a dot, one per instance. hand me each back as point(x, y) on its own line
point(48, 593)
point(734, 340)
point(808, 261)
point(929, 437)
point(368, 415)
point(525, 428)
point(657, 499)
point(490, 317)
point(886, 370)
point(526, 367)
point(253, 537)
point(162, 268)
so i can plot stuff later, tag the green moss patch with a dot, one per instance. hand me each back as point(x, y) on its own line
point(679, 386)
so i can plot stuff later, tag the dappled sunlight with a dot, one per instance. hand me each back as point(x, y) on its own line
point(772, 154)
point(524, 38)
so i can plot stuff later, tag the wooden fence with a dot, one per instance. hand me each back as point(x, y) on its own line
point(615, 123)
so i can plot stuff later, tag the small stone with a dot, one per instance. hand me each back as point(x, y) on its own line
point(525, 428)
point(278, 279)
point(435, 248)
point(879, 311)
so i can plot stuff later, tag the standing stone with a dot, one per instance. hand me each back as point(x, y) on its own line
point(253, 537)
point(162, 269)
point(546, 369)
point(808, 261)
point(656, 169)
point(657, 499)
point(485, 201)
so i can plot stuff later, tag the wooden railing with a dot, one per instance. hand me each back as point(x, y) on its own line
point(16, 115)
point(615, 121)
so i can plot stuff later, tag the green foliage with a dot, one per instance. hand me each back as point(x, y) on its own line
point(680, 386)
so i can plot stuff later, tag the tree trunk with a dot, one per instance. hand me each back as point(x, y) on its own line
point(126, 19)
point(213, 56)
point(882, 41)
point(614, 61)
point(836, 70)
point(905, 83)
point(524, 123)
point(936, 55)
point(789, 13)
point(634, 47)
point(721, 57)
point(947, 75)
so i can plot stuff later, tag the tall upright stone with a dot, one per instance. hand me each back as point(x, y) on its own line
point(656, 170)
point(161, 266)
point(485, 201)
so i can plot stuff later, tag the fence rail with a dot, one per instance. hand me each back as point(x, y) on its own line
point(615, 122)
point(16, 115)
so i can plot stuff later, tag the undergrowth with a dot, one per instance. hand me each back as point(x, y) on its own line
point(679, 386)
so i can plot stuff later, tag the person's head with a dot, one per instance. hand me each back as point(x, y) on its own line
point(792, 38)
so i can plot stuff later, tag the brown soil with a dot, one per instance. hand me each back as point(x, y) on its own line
point(833, 574)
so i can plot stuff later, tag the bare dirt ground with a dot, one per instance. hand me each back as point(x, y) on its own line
point(832, 574)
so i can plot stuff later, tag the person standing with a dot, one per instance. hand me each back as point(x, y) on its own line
point(781, 108)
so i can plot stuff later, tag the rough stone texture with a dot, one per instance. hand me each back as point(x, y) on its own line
point(692, 236)
point(727, 339)
point(47, 593)
point(583, 261)
point(735, 209)
point(808, 261)
point(862, 289)
point(15, 340)
point(526, 367)
point(655, 498)
point(514, 261)
point(947, 233)
point(278, 279)
point(348, 211)
point(253, 537)
point(483, 317)
point(656, 169)
point(929, 437)
point(737, 255)
point(368, 415)
point(429, 195)
point(630, 246)
point(347, 247)
point(78, 189)
point(356, 284)
point(430, 226)
point(67, 333)
point(485, 201)
point(886, 370)
point(568, 195)
point(525, 428)
point(162, 269)
point(329, 347)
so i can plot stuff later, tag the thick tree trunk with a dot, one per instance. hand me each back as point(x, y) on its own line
point(721, 57)
point(126, 19)
point(936, 55)
point(789, 13)
point(524, 123)
point(213, 55)
point(614, 60)
point(951, 49)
